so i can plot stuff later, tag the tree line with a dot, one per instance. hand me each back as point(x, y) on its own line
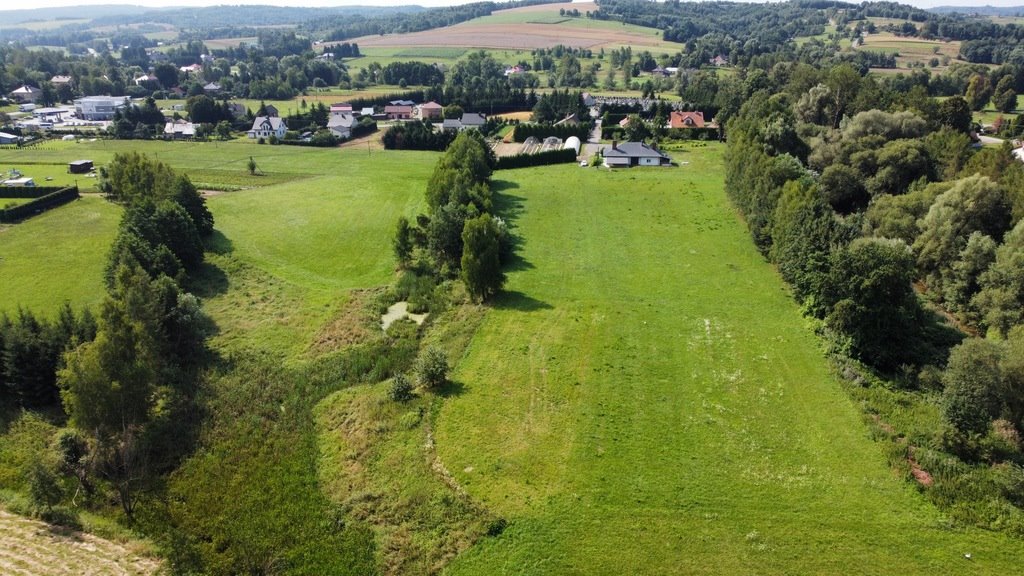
point(458, 237)
point(880, 216)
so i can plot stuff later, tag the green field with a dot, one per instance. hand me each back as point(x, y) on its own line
point(57, 256)
point(291, 243)
point(645, 398)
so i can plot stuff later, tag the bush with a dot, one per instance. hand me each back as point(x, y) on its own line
point(431, 368)
point(400, 389)
point(538, 159)
point(544, 130)
point(40, 204)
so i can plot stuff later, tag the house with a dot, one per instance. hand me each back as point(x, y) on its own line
point(99, 107)
point(1018, 153)
point(341, 125)
point(588, 99)
point(686, 119)
point(145, 79)
point(398, 111)
point(429, 110)
point(267, 126)
point(80, 167)
point(270, 110)
point(6, 138)
point(367, 111)
point(236, 109)
point(719, 61)
point(473, 120)
point(451, 124)
point(624, 122)
point(659, 71)
point(571, 119)
point(212, 88)
point(402, 103)
point(20, 182)
point(191, 69)
point(26, 93)
point(341, 108)
point(179, 130)
point(630, 154)
point(325, 56)
point(59, 80)
point(513, 70)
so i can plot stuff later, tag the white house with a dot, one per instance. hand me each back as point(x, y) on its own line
point(99, 107)
point(341, 125)
point(179, 130)
point(26, 93)
point(267, 126)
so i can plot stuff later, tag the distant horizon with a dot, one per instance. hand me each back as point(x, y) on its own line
point(426, 3)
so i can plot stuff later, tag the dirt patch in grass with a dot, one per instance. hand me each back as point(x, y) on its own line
point(354, 324)
point(31, 547)
point(374, 141)
point(920, 474)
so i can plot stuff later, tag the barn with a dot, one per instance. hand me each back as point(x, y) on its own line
point(80, 167)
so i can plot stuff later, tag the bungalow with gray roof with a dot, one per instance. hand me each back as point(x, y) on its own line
point(628, 154)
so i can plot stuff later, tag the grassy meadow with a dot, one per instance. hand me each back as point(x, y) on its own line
point(291, 241)
point(57, 256)
point(645, 398)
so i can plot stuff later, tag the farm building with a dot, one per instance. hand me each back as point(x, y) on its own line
point(80, 166)
point(6, 138)
point(630, 154)
point(398, 111)
point(341, 108)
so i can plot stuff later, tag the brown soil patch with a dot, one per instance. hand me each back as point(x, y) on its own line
point(522, 116)
point(498, 36)
point(583, 7)
point(371, 142)
point(354, 324)
point(920, 474)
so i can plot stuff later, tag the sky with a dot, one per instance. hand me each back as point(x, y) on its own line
point(55, 3)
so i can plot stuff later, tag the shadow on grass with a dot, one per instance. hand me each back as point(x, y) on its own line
point(451, 389)
point(218, 243)
point(208, 281)
point(515, 300)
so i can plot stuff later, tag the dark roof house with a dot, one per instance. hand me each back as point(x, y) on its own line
point(629, 154)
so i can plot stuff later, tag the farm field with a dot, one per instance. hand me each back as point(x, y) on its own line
point(28, 547)
point(910, 50)
point(536, 27)
point(646, 398)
